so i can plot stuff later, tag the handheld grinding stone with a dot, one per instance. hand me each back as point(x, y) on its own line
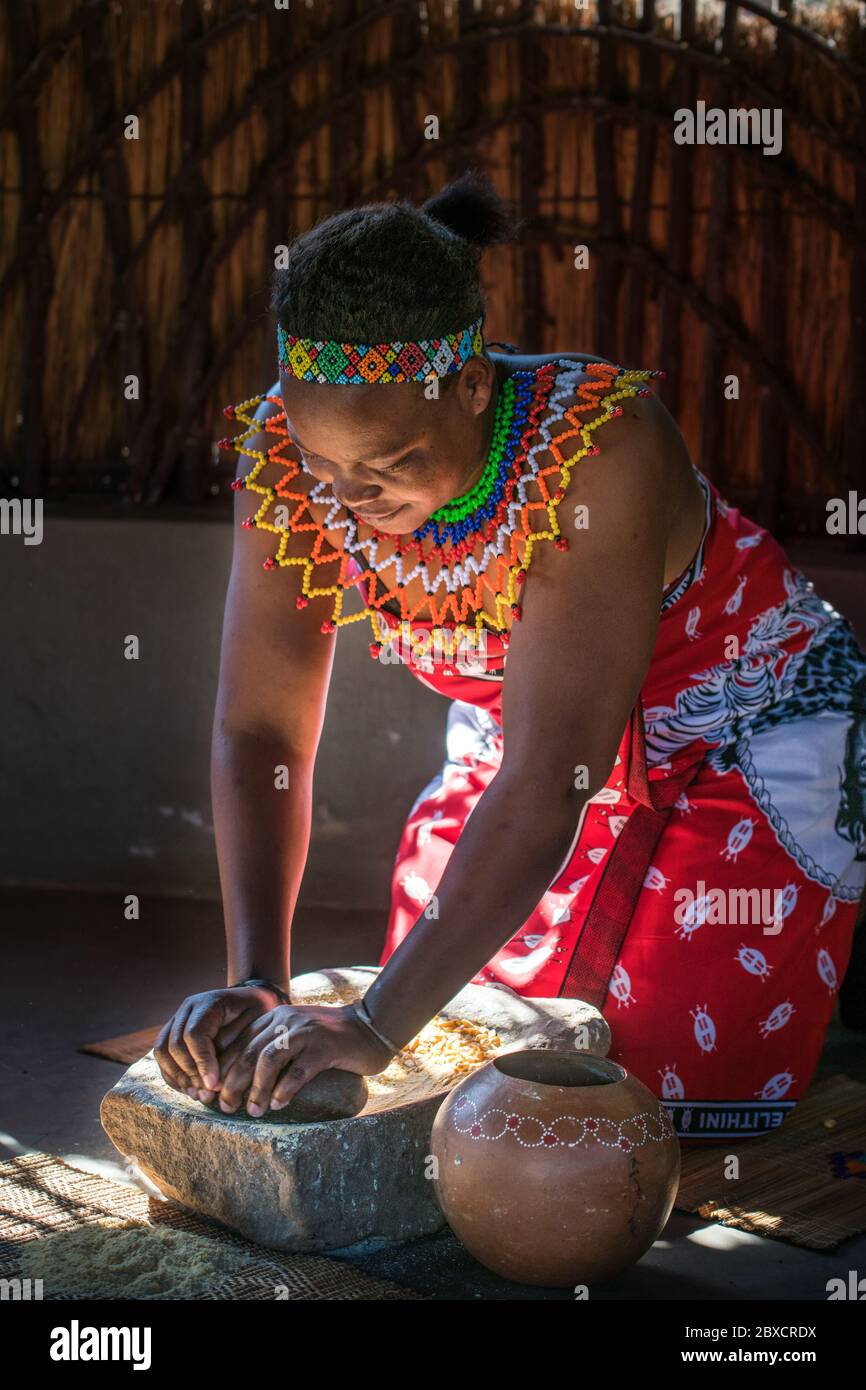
point(332, 1095)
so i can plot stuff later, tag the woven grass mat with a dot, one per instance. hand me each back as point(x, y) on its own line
point(41, 1196)
point(805, 1182)
point(128, 1048)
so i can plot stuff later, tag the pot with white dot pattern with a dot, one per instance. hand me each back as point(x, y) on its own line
point(555, 1168)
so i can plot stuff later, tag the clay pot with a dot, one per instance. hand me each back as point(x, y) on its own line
point(555, 1168)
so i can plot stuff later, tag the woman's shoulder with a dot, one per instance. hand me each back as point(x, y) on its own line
point(301, 515)
point(260, 425)
point(591, 407)
point(579, 386)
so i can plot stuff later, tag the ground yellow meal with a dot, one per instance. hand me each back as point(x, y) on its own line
point(445, 1051)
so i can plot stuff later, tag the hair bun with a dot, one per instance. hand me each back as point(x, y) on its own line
point(471, 208)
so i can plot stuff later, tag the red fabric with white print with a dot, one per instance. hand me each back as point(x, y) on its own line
point(724, 1022)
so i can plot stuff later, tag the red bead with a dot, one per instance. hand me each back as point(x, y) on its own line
point(237, 484)
point(516, 611)
point(559, 494)
point(617, 410)
point(521, 576)
point(561, 543)
point(374, 650)
point(229, 412)
point(594, 449)
point(328, 627)
point(225, 444)
point(662, 374)
point(270, 563)
point(301, 602)
point(248, 523)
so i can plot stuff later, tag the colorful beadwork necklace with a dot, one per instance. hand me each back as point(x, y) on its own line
point(471, 557)
point(467, 514)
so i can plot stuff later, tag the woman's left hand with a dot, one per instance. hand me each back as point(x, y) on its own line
point(282, 1050)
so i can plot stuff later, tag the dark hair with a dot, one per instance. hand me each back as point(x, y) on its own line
point(392, 270)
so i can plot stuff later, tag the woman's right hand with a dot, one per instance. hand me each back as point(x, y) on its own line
point(187, 1047)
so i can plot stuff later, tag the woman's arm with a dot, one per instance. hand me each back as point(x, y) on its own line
point(274, 672)
point(275, 668)
point(576, 663)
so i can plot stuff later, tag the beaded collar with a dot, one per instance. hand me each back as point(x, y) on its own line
point(472, 555)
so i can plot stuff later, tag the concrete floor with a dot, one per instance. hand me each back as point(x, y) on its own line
point(79, 972)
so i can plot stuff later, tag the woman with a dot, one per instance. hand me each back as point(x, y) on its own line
point(651, 799)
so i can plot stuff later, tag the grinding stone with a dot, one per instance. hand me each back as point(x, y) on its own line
point(314, 1187)
point(332, 1095)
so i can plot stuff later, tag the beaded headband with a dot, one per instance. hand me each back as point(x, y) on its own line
point(365, 364)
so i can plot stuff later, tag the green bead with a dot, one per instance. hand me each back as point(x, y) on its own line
point(459, 508)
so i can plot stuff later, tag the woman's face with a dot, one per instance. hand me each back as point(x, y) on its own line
point(390, 454)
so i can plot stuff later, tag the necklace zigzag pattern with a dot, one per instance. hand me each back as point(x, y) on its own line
point(495, 558)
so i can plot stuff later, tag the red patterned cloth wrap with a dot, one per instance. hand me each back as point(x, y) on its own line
point(719, 870)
